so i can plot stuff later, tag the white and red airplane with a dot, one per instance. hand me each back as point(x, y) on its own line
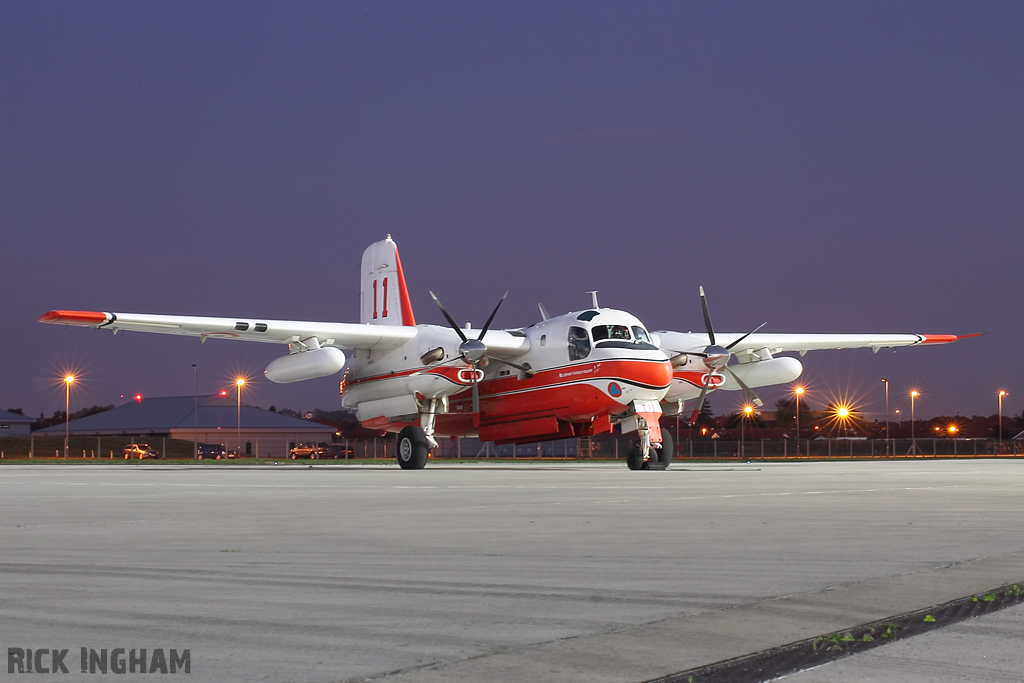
point(582, 373)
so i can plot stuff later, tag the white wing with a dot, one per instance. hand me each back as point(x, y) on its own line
point(341, 335)
point(778, 343)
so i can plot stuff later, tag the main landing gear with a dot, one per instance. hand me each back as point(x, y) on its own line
point(412, 448)
point(415, 442)
point(658, 456)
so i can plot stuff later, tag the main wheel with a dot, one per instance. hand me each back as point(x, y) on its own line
point(412, 448)
point(635, 458)
point(668, 448)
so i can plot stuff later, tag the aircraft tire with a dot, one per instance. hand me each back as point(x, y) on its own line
point(413, 449)
point(635, 458)
point(668, 448)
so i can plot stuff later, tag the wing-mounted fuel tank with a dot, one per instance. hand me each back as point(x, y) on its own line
point(307, 360)
point(763, 373)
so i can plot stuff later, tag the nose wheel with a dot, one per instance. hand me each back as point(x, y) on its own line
point(657, 457)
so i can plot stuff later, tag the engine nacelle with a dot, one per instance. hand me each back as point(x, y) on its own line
point(306, 365)
point(763, 373)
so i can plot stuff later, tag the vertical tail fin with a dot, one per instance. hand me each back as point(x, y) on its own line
point(384, 298)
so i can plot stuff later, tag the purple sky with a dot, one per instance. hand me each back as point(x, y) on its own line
point(827, 167)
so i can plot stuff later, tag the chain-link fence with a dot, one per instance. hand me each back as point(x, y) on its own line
point(605, 447)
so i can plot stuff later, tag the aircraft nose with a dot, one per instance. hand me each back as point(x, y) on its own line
point(655, 378)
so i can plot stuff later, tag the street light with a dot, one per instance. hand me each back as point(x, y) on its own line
point(886, 382)
point(799, 392)
point(842, 419)
point(195, 411)
point(913, 442)
point(747, 412)
point(1001, 394)
point(68, 379)
point(240, 382)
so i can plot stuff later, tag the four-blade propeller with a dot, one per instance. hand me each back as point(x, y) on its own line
point(474, 351)
point(717, 358)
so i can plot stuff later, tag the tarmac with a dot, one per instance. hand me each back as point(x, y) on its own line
point(525, 572)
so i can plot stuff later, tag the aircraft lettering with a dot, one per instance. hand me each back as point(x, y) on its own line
point(583, 371)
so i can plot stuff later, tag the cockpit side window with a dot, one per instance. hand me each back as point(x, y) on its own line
point(610, 332)
point(641, 334)
point(579, 343)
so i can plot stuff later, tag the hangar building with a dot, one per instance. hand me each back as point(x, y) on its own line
point(13, 424)
point(264, 434)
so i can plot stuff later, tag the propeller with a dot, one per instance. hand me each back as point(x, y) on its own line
point(717, 358)
point(474, 351)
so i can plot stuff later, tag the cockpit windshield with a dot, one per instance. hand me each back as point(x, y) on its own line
point(600, 332)
point(641, 334)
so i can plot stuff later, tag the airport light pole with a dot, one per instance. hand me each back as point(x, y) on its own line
point(799, 392)
point(747, 412)
point(886, 382)
point(913, 441)
point(1001, 394)
point(68, 379)
point(240, 382)
point(195, 411)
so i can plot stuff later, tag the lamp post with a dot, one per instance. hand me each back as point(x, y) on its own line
point(886, 382)
point(897, 411)
point(68, 379)
point(747, 411)
point(195, 411)
point(1001, 394)
point(238, 436)
point(913, 441)
point(799, 392)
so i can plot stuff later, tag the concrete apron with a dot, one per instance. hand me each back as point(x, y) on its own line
point(640, 653)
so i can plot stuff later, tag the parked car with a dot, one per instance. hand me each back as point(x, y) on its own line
point(212, 451)
point(336, 450)
point(140, 451)
point(307, 449)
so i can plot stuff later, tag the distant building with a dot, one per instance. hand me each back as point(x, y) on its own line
point(264, 434)
point(13, 424)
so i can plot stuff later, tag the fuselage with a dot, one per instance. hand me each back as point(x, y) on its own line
point(584, 366)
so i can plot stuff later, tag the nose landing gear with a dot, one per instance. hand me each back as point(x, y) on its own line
point(658, 456)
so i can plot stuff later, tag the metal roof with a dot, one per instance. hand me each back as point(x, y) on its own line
point(6, 416)
point(161, 415)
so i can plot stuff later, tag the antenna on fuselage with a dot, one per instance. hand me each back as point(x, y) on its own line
point(593, 295)
point(543, 312)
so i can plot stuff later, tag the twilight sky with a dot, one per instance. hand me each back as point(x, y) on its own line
point(827, 167)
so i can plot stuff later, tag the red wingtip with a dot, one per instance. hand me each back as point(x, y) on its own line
point(85, 318)
point(946, 338)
